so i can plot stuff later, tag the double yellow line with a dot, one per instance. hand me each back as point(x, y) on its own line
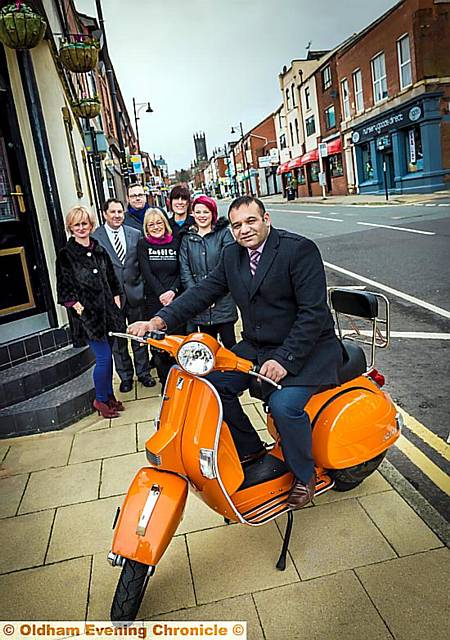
point(417, 457)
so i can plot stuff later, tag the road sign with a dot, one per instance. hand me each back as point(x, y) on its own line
point(264, 161)
point(323, 149)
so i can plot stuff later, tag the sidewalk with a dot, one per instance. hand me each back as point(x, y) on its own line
point(362, 564)
point(375, 200)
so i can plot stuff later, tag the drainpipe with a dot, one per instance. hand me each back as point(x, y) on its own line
point(42, 148)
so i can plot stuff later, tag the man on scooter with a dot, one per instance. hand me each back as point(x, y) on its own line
point(277, 280)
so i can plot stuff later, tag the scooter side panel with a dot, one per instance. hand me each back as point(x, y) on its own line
point(356, 425)
point(164, 520)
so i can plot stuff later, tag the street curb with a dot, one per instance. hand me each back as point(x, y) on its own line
point(424, 509)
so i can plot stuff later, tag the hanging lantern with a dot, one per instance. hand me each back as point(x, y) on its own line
point(20, 26)
point(79, 57)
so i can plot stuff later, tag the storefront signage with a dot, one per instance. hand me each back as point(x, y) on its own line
point(264, 161)
point(412, 146)
point(274, 156)
point(387, 123)
point(323, 149)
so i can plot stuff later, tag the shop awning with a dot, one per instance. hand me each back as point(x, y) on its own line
point(335, 146)
point(288, 166)
point(310, 156)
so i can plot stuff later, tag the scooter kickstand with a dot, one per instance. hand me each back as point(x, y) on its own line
point(281, 564)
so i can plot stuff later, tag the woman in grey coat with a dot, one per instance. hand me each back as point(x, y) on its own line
point(199, 254)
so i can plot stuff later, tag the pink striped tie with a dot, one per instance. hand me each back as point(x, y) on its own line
point(255, 255)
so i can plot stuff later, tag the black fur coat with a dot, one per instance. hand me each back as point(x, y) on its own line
point(86, 275)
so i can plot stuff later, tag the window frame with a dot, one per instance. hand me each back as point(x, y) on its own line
point(294, 102)
point(297, 130)
point(358, 93)
point(402, 65)
point(326, 82)
point(327, 120)
point(288, 99)
point(312, 120)
point(346, 111)
point(381, 81)
point(307, 98)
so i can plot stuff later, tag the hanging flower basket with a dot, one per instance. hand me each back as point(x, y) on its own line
point(86, 107)
point(79, 57)
point(20, 26)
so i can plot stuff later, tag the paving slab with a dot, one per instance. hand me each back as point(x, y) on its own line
point(373, 484)
point(54, 592)
point(24, 541)
point(61, 486)
point(3, 452)
point(94, 422)
point(399, 523)
point(233, 560)
point(36, 453)
point(198, 516)
point(238, 608)
point(411, 594)
point(83, 529)
point(124, 397)
point(144, 431)
point(334, 537)
point(332, 608)
point(118, 472)
point(148, 392)
point(169, 588)
point(11, 492)
point(93, 445)
point(137, 411)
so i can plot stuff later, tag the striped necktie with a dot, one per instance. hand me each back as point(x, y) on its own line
point(255, 255)
point(118, 246)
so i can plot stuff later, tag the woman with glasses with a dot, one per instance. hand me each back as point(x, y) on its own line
point(158, 261)
point(89, 289)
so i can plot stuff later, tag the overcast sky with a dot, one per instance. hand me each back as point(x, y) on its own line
point(205, 65)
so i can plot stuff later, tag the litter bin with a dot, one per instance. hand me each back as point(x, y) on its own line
point(291, 193)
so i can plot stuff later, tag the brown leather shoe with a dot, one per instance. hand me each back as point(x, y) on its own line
point(301, 494)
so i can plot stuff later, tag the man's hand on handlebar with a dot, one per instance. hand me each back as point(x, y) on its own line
point(142, 327)
point(273, 370)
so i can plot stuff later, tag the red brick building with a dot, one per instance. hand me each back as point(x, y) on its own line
point(395, 99)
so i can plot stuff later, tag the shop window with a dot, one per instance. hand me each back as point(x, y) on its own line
point(367, 166)
point(414, 154)
point(301, 176)
point(310, 126)
point(314, 170)
point(335, 164)
point(404, 62)
point(345, 99)
point(358, 90)
point(326, 78)
point(379, 78)
point(330, 117)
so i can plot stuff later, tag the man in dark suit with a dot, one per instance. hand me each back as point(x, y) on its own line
point(120, 242)
point(277, 280)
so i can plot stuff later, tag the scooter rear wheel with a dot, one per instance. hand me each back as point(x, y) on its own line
point(347, 479)
point(130, 591)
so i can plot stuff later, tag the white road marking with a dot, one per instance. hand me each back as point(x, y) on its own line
point(405, 296)
point(420, 335)
point(444, 205)
point(292, 210)
point(323, 218)
point(388, 226)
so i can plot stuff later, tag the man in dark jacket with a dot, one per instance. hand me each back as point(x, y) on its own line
point(120, 242)
point(278, 282)
point(137, 207)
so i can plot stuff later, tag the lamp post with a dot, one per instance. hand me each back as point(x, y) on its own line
point(244, 157)
point(137, 108)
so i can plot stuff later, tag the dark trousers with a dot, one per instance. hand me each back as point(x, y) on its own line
point(122, 358)
point(103, 369)
point(224, 331)
point(287, 408)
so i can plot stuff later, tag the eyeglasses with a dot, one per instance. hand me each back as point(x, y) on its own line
point(137, 195)
point(154, 225)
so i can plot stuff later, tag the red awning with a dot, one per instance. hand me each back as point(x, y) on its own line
point(311, 156)
point(335, 146)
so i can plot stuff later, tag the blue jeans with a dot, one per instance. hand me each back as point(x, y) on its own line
point(103, 369)
point(287, 408)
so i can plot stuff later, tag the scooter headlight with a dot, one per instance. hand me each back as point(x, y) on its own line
point(196, 358)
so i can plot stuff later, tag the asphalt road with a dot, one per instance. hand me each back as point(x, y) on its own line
point(404, 250)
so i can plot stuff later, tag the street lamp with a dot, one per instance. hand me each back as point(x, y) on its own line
point(246, 169)
point(137, 108)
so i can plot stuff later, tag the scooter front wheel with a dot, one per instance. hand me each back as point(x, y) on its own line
point(130, 591)
point(347, 479)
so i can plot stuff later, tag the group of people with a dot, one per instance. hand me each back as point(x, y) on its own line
point(136, 262)
point(276, 278)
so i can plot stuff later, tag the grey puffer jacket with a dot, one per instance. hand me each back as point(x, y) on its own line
point(198, 256)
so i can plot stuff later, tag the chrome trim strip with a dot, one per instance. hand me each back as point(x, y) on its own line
point(150, 503)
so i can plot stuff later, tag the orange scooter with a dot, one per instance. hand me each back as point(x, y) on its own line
point(353, 426)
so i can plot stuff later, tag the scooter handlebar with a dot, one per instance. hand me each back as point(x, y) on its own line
point(255, 372)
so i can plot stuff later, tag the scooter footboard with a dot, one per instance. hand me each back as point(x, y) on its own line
point(150, 515)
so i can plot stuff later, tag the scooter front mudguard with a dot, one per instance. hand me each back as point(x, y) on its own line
point(150, 515)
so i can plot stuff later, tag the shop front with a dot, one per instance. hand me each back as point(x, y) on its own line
point(401, 150)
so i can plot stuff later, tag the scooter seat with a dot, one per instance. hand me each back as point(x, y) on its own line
point(354, 361)
point(266, 468)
